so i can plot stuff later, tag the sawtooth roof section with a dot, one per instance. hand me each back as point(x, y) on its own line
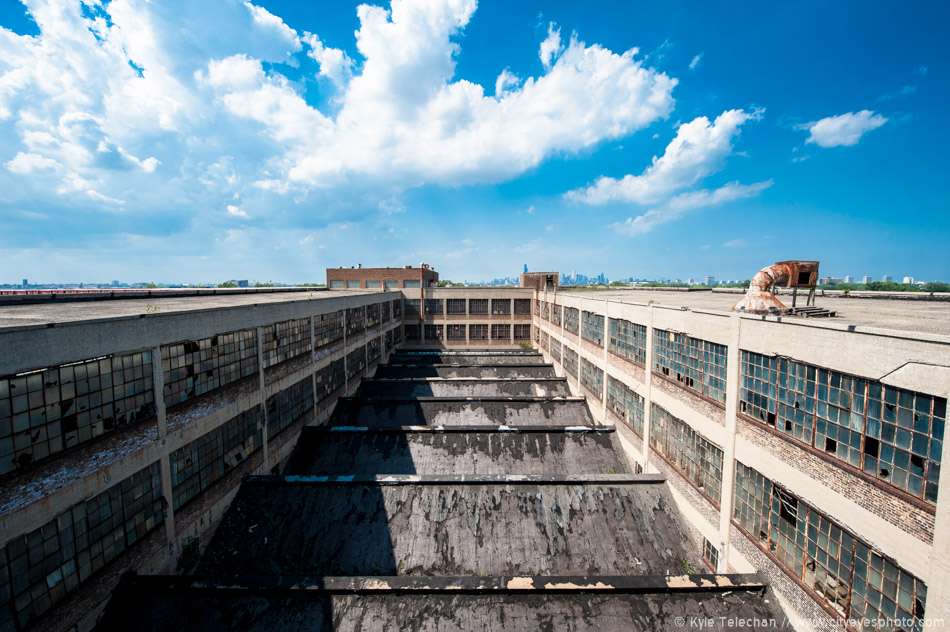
point(274, 528)
point(325, 452)
point(471, 387)
point(497, 371)
point(168, 603)
point(461, 412)
point(485, 358)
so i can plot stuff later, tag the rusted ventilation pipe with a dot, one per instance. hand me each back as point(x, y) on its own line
point(759, 299)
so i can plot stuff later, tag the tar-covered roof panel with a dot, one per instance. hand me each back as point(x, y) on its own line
point(321, 452)
point(550, 412)
point(408, 389)
point(241, 609)
point(449, 529)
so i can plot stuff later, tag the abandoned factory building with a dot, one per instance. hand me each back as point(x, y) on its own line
point(395, 455)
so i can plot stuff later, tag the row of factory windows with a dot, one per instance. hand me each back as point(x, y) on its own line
point(834, 565)
point(838, 568)
point(471, 306)
point(388, 284)
point(474, 332)
point(47, 411)
point(39, 569)
point(891, 434)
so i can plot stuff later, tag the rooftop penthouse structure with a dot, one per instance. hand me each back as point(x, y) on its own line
point(798, 459)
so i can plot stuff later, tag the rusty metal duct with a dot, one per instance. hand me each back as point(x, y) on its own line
point(759, 299)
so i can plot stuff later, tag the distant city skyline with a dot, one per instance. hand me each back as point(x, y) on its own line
point(275, 138)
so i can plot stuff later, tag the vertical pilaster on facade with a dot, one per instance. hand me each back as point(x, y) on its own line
point(161, 415)
point(346, 370)
point(606, 340)
point(648, 395)
point(263, 399)
point(365, 346)
point(727, 494)
point(938, 582)
point(313, 358)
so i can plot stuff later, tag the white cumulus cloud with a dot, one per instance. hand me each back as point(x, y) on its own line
point(681, 204)
point(699, 149)
point(843, 130)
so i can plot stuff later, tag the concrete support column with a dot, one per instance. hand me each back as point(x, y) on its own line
point(733, 369)
point(346, 371)
point(313, 359)
point(161, 415)
point(937, 609)
point(648, 396)
point(262, 397)
point(606, 339)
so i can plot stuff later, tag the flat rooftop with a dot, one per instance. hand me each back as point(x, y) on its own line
point(907, 314)
point(69, 308)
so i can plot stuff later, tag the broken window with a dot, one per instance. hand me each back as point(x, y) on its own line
point(413, 307)
point(196, 466)
point(327, 328)
point(413, 332)
point(372, 315)
point(592, 329)
point(355, 321)
point(688, 451)
point(697, 364)
point(883, 590)
point(373, 349)
point(570, 361)
point(710, 555)
point(455, 332)
point(285, 340)
point(288, 406)
point(434, 306)
point(478, 332)
point(788, 530)
point(196, 367)
point(47, 411)
point(757, 386)
point(571, 317)
point(66, 551)
point(624, 402)
point(555, 350)
point(501, 332)
point(828, 561)
point(628, 340)
point(434, 332)
point(522, 332)
point(355, 362)
point(593, 378)
point(522, 305)
point(329, 379)
point(753, 502)
point(500, 306)
point(796, 399)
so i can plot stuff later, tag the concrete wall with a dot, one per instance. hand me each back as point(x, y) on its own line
point(467, 319)
point(911, 532)
point(36, 495)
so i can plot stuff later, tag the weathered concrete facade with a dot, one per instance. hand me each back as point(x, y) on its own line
point(766, 454)
point(98, 483)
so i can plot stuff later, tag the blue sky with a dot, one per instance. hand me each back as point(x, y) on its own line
point(184, 141)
